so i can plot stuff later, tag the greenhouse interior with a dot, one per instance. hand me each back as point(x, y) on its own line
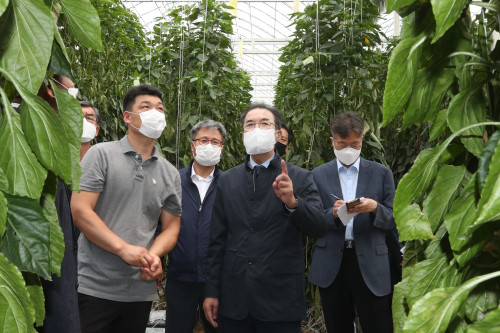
point(375, 125)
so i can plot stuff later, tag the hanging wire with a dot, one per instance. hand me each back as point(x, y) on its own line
point(203, 54)
point(317, 70)
point(179, 97)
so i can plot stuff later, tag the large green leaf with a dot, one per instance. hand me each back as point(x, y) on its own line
point(466, 108)
point(410, 220)
point(489, 323)
point(56, 234)
point(413, 224)
point(401, 74)
point(36, 296)
point(24, 173)
point(488, 208)
point(420, 98)
point(70, 112)
point(439, 198)
point(427, 95)
point(461, 216)
point(433, 312)
point(3, 6)
point(485, 160)
point(426, 276)
point(3, 214)
point(441, 86)
point(26, 241)
point(43, 131)
point(446, 13)
point(4, 183)
point(435, 247)
point(398, 305)
point(84, 22)
point(438, 125)
point(59, 63)
point(397, 4)
point(482, 299)
point(16, 311)
point(27, 28)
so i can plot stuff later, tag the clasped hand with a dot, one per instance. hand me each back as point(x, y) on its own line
point(283, 187)
point(150, 264)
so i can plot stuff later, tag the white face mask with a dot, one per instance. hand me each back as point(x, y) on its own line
point(207, 155)
point(347, 155)
point(259, 141)
point(73, 92)
point(153, 123)
point(89, 130)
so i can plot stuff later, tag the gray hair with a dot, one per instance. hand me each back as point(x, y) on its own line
point(345, 123)
point(211, 125)
point(90, 105)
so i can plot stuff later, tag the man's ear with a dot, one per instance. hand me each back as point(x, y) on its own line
point(126, 117)
point(193, 149)
point(96, 131)
point(277, 135)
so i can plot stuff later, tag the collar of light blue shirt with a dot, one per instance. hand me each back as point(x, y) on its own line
point(252, 164)
point(340, 167)
point(208, 179)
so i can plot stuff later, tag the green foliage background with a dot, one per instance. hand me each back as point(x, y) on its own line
point(39, 147)
point(445, 72)
point(439, 102)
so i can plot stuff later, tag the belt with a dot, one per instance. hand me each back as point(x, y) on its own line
point(349, 244)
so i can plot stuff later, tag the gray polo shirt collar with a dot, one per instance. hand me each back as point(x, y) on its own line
point(127, 148)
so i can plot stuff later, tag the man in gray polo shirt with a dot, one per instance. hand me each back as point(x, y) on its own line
point(125, 188)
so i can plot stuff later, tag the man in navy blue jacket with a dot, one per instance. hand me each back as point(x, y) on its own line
point(255, 266)
point(186, 268)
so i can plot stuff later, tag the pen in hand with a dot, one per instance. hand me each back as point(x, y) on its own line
point(334, 196)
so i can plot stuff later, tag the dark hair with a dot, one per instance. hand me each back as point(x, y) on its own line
point(211, 125)
point(290, 132)
point(276, 113)
point(89, 104)
point(345, 123)
point(133, 92)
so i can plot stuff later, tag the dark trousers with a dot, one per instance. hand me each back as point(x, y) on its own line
point(99, 315)
point(348, 294)
point(183, 301)
point(252, 325)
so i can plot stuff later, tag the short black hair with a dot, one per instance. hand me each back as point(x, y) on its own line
point(276, 113)
point(290, 132)
point(142, 89)
point(345, 123)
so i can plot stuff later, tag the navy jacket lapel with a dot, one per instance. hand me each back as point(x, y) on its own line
point(334, 179)
point(363, 178)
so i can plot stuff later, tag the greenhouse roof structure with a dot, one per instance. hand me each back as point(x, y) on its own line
point(260, 30)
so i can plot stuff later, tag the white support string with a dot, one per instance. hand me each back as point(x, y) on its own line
point(179, 97)
point(203, 54)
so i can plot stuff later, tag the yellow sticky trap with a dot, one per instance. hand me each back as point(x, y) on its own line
point(234, 4)
point(296, 7)
point(240, 49)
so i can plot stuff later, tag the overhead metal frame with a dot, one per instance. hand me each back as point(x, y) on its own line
point(262, 27)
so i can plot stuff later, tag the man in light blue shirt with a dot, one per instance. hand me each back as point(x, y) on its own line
point(350, 263)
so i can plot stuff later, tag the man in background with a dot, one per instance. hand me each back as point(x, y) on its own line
point(284, 141)
point(61, 300)
point(187, 261)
